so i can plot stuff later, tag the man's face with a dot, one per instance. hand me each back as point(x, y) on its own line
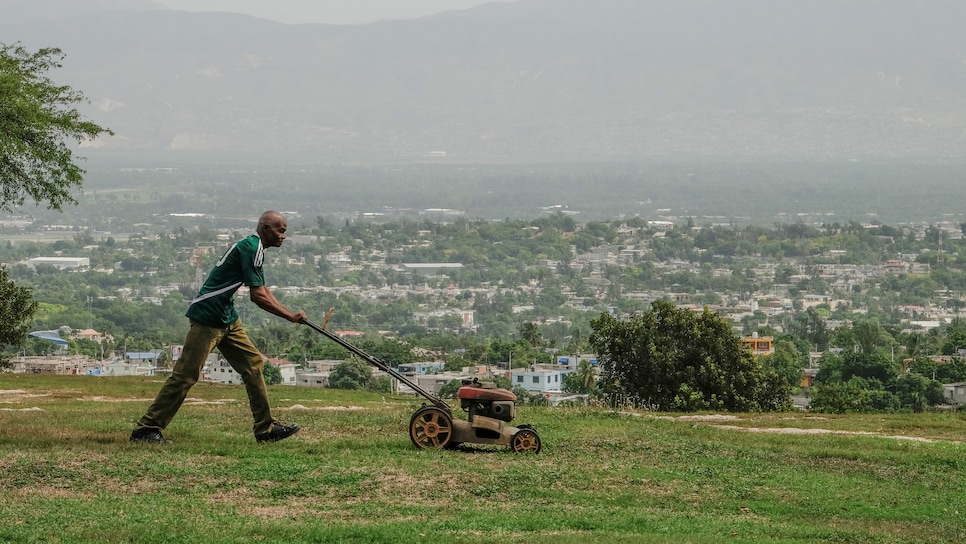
point(273, 233)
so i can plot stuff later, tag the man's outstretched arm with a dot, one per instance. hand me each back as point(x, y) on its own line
point(263, 297)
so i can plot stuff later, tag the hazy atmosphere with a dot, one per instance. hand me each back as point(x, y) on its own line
point(333, 12)
point(745, 110)
point(533, 79)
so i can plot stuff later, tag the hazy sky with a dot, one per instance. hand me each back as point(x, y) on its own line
point(327, 11)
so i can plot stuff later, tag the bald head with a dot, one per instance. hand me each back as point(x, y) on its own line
point(269, 217)
point(271, 228)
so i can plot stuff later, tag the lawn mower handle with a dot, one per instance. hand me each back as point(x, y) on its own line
point(438, 402)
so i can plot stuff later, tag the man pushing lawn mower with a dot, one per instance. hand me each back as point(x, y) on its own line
point(215, 323)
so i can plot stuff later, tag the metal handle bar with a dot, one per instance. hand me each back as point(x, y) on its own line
point(438, 402)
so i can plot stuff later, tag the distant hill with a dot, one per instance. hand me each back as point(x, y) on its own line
point(534, 79)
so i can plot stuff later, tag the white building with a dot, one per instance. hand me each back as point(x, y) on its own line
point(541, 378)
point(955, 393)
point(124, 368)
point(429, 269)
point(287, 371)
point(62, 263)
point(221, 371)
point(312, 378)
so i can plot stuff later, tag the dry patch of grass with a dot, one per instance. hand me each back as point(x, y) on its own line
point(17, 396)
point(51, 492)
point(414, 489)
point(798, 430)
point(97, 398)
point(809, 430)
point(70, 478)
point(296, 407)
point(202, 402)
point(237, 495)
point(293, 511)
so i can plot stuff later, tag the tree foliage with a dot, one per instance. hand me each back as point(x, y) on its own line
point(390, 351)
point(352, 374)
point(675, 359)
point(954, 342)
point(788, 360)
point(273, 375)
point(36, 117)
point(867, 333)
point(17, 308)
point(449, 390)
point(854, 395)
point(530, 332)
point(862, 382)
point(868, 366)
point(581, 381)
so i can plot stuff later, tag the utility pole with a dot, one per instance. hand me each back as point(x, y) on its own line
point(939, 260)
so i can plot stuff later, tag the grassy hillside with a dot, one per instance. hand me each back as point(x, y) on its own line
point(352, 475)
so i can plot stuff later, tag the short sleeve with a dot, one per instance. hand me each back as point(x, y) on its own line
point(252, 255)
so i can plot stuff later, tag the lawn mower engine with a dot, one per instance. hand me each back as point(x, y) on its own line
point(486, 400)
point(489, 409)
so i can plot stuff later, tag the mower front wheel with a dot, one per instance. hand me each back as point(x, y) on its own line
point(526, 440)
point(430, 428)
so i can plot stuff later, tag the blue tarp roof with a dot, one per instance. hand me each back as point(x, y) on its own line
point(49, 335)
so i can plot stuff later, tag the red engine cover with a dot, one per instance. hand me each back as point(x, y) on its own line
point(471, 392)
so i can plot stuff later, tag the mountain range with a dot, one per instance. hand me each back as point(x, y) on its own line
point(528, 80)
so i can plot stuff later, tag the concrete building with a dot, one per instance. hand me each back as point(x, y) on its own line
point(286, 369)
point(62, 263)
point(421, 368)
point(955, 393)
point(124, 368)
point(429, 269)
point(311, 378)
point(89, 334)
point(763, 345)
point(143, 357)
point(221, 371)
point(541, 378)
point(64, 364)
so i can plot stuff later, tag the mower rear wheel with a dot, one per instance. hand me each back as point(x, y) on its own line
point(430, 428)
point(526, 440)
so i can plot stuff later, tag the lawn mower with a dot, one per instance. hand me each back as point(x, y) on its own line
point(488, 407)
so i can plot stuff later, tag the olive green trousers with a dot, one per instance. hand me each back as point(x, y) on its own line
point(241, 354)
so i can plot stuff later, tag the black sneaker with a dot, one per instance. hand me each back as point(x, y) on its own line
point(278, 432)
point(148, 435)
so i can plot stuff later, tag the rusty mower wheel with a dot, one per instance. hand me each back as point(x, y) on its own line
point(526, 441)
point(430, 428)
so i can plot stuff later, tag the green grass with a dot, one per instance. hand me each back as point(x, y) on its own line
point(70, 475)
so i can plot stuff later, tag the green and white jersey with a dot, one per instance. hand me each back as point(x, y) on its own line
point(240, 265)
